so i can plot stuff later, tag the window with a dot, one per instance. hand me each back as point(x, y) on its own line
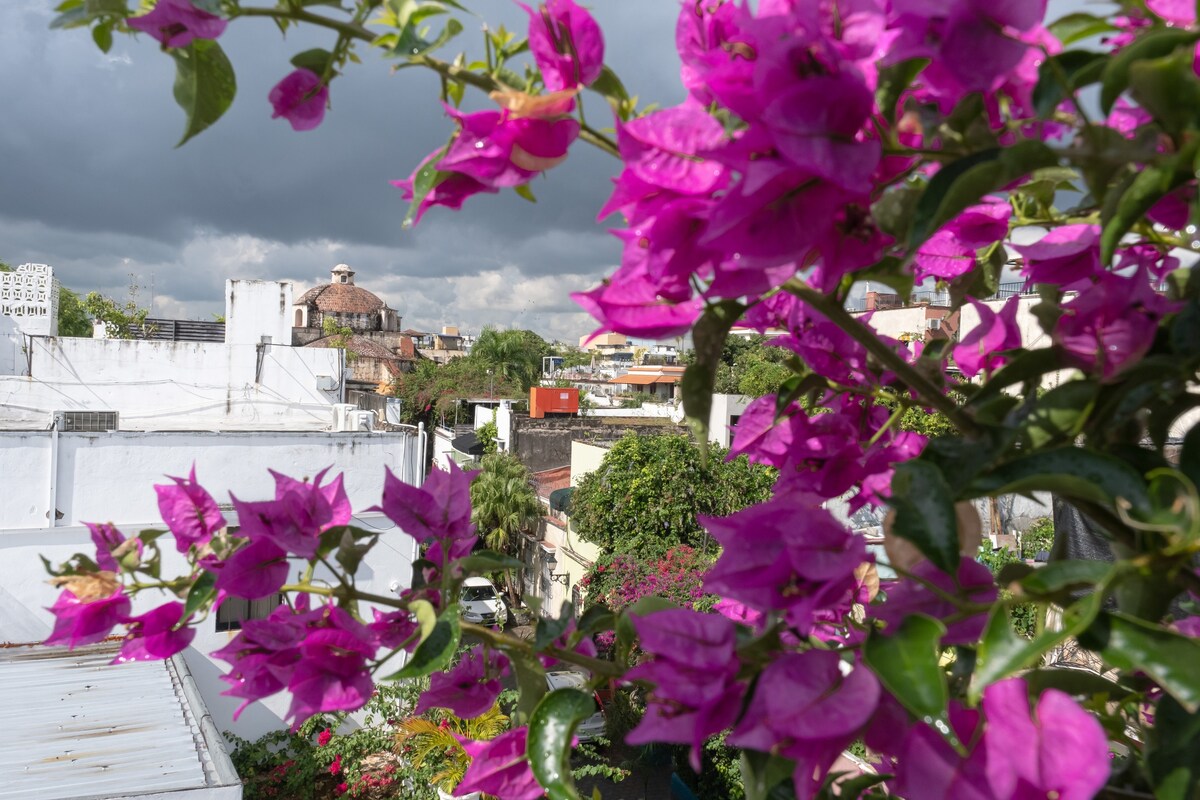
point(235, 610)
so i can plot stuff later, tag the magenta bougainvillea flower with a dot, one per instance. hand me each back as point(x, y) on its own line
point(299, 514)
point(952, 250)
point(78, 622)
point(438, 509)
point(499, 768)
point(1110, 324)
point(693, 672)
point(981, 349)
point(1066, 256)
point(972, 582)
point(191, 513)
point(470, 687)
point(450, 189)
point(257, 569)
point(332, 673)
point(111, 544)
point(566, 44)
point(320, 656)
point(1176, 12)
point(660, 151)
point(1058, 751)
point(787, 554)
point(155, 635)
point(805, 708)
point(300, 98)
point(508, 148)
point(176, 23)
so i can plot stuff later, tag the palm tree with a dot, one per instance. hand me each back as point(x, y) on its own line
point(431, 738)
point(504, 503)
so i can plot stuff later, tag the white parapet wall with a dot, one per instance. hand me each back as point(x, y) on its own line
point(109, 477)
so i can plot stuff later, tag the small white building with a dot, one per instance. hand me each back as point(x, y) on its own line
point(88, 426)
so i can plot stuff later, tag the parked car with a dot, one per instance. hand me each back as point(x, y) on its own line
point(482, 604)
point(591, 727)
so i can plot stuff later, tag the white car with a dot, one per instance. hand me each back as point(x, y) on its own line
point(591, 727)
point(481, 603)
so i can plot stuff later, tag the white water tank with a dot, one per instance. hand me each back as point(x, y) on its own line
point(341, 416)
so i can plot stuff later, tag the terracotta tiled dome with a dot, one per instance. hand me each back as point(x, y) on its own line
point(341, 298)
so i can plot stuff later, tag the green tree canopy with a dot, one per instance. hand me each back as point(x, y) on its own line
point(73, 318)
point(514, 354)
point(432, 390)
point(644, 498)
point(504, 504)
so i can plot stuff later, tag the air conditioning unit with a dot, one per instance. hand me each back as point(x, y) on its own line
point(933, 324)
point(362, 420)
point(341, 416)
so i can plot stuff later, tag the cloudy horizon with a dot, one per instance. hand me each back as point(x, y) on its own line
point(95, 188)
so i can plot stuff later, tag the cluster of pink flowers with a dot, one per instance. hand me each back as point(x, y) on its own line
point(492, 150)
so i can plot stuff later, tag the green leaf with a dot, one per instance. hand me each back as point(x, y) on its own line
point(436, 649)
point(894, 82)
point(1189, 455)
point(610, 87)
point(1074, 472)
point(549, 745)
point(204, 85)
point(1025, 366)
point(549, 629)
point(1173, 751)
point(1168, 88)
point(102, 36)
point(962, 183)
point(708, 337)
point(350, 554)
point(1169, 658)
point(425, 181)
point(1075, 27)
point(762, 772)
point(1155, 44)
point(925, 513)
point(525, 193)
point(597, 618)
point(1149, 186)
point(1076, 682)
point(201, 593)
point(1060, 414)
point(488, 561)
point(1058, 577)
point(1002, 652)
point(1074, 68)
point(906, 663)
point(315, 60)
point(150, 535)
point(531, 685)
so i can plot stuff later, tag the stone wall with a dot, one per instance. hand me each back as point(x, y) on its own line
point(546, 443)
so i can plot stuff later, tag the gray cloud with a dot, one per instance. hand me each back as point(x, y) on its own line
point(93, 185)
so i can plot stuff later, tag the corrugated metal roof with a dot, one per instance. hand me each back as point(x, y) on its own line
point(77, 727)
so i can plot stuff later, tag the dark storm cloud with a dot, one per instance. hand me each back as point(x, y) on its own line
point(90, 181)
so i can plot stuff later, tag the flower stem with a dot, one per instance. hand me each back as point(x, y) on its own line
point(929, 393)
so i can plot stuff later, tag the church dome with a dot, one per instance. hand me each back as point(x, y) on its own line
point(341, 296)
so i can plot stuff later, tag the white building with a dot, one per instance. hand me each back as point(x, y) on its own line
point(88, 426)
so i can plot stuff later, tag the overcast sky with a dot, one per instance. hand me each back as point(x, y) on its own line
point(92, 185)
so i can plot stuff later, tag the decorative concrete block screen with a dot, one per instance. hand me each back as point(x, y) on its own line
point(29, 295)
